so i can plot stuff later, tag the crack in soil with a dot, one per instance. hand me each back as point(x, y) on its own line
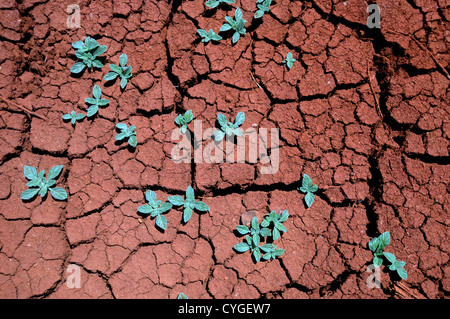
point(120, 238)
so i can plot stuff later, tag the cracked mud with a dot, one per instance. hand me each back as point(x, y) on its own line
point(364, 112)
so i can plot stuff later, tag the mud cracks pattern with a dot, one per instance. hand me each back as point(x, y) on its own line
point(364, 112)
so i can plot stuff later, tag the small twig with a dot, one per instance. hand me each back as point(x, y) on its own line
point(377, 106)
point(254, 80)
point(27, 111)
point(423, 47)
point(403, 291)
point(431, 55)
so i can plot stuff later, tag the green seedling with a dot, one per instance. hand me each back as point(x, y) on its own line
point(95, 101)
point(155, 209)
point(73, 117)
point(377, 246)
point(237, 24)
point(122, 70)
point(208, 36)
point(276, 220)
point(271, 251)
point(189, 204)
point(308, 188)
point(289, 60)
point(182, 296)
point(249, 244)
point(262, 8)
point(39, 184)
point(87, 51)
point(396, 265)
point(256, 232)
point(127, 132)
point(183, 120)
point(215, 3)
point(228, 128)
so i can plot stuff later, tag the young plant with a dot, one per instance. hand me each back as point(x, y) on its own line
point(249, 244)
point(262, 8)
point(73, 117)
point(237, 24)
point(271, 251)
point(95, 101)
point(308, 188)
point(155, 209)
point(181, 295)
point(39, 184)
point(215, 3)
point(289, 60)
point(277, 221)
point(183, 120)
point(127, 132)
point(377, 246)
point(396, 265)
point(87, 51)
point(122, 70)
point(255, 231)
point(208, 36)
point(189, 204)
point(228, 128)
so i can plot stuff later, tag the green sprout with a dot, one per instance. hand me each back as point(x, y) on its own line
point(87, 51)
point(95, 101)
point(377, 246)
point(289, 60)
point(237, 24)
point(308, 188)
point(122, 70)
point(39, 184)
point(127, 132)
point(73, 117)
point(229, 128)
point(262, 8)
point(208, 36)
point(215, 3)
point(184, 120)
point(189, 204)
point(155, 208)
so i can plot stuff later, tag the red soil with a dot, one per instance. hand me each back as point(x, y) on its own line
point(364, 112)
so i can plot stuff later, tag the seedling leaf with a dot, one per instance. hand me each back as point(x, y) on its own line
point(58, 193)
point(29, 193)
point(54, 172)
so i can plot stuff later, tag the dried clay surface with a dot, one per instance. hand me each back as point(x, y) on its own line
point(364, 112)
